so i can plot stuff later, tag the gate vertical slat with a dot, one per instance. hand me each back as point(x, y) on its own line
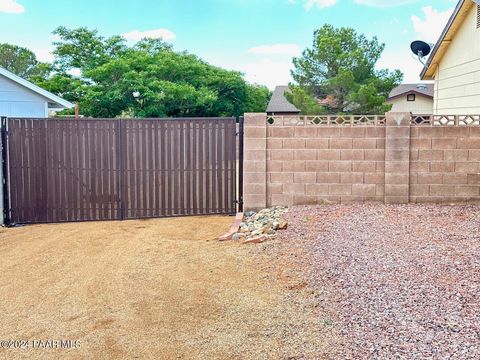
point(173, 166)
point(26, 168)
point(194, 167)
point(23, 194)
point(208, 151)
point(110, 170)
point(129, 155)
point(138, 167)
point(188, 154)
point(104, 170)
point(219, 167)
point(156, 180)
point(163, 186)
point(64, 171)
point(98, 170)
point(27, 177)
point(181, 173)
point(82, 168)
point(37, 171)
point(152, 169)
point(226, 171)
point(88, 161)
point(19, 164)
point(120, 169)
point(74, 168)
point(143, 161)
point(166, 158)
point(201, 166)
point(176, 166)
point(60, 164)
point(213, 168)
point(129, 168)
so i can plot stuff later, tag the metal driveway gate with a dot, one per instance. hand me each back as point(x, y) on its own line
point(58, 170)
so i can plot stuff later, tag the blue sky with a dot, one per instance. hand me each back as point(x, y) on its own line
point(257, 37)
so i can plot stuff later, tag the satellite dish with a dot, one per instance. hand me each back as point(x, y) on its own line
point(421, 49)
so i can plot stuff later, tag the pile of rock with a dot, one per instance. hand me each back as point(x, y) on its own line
point(259, 226)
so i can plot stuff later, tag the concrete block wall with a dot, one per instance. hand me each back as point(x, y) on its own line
point(311, 164)
point(445, 164)
point(395, 162)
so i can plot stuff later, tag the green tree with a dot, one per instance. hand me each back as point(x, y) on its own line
point(21, 61)
point(167, 83)
point(341, 64)
point(84, 49)
point(257, 98)
point(304, 102)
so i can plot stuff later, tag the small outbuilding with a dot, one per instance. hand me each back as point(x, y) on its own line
point(279, 105)
point(21, 98)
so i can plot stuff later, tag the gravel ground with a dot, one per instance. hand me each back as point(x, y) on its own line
point(396, 282)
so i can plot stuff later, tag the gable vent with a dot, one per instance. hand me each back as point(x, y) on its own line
point(478, 16)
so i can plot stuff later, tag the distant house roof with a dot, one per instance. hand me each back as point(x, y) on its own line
point(56, 100)
point(279, 103)
point(402, 89)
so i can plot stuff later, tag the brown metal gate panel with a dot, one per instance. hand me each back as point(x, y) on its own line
point(106, 169)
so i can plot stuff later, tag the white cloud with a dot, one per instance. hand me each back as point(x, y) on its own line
point(276, 49)
point(430, 27)
point(384, 3)
point(268, 72)
point(11, 6)
point(137, 35)
point(319, 3)
point(401, 58)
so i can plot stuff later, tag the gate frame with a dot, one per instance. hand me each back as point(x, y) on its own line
point(4, 193)
point(241, 131)
point(5, 201)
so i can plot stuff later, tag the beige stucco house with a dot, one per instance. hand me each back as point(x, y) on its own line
point(413, 98)
point(454, 64)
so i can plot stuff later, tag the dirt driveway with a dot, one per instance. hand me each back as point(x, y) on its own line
point(160, 289)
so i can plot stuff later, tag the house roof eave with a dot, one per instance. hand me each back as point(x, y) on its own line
point(27, 84)
point(459, 13)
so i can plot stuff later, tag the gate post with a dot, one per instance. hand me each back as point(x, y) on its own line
point(397, 158)
point(255, 161)
point(241, 127)
point(4, 199)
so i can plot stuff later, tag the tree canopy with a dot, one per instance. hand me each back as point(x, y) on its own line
point(21, 61)
point(341, 66)
point(109, 78)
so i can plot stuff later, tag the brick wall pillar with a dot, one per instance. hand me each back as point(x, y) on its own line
point(397, 158)
point(255, 161)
